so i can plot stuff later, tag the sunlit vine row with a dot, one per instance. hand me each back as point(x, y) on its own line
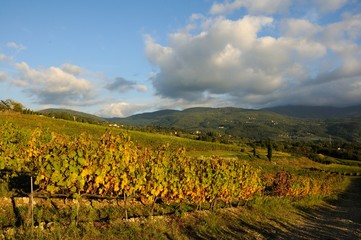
point(115, 166)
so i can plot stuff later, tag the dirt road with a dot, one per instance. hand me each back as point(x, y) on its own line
point(339, 219)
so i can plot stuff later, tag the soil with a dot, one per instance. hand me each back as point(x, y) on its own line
point(339, 219)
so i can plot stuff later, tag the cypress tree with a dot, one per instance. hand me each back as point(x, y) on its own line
point(269, 150)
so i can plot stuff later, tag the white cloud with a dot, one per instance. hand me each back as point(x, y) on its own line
point(227, 58)
point(227, 7)
point(233, 60)
point(71, 69)
point(216, 60)
point(16, 46)
point(53, 85)
point(4, 58)
point(269, 7)
point(3, 76)
point(253, 7)
point(121, 109)
point(342, 33)
point(299, 28)
point(330, 5)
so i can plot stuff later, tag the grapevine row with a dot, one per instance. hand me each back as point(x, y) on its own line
point(114, 166)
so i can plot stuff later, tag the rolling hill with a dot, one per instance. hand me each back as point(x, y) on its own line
point(68, 114)
point(317, 112)
point(288, 123)
point(258, 124)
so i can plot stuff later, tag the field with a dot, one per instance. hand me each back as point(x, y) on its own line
point(99, 181)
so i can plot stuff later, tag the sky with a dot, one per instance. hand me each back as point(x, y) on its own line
point(118, 58)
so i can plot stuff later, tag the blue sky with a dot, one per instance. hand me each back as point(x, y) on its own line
point(118, 58)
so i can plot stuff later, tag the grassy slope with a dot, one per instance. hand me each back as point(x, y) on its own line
point(262, 219)
point(194, 148)
point(71, 114)
point(30, 122)
point(71, 128)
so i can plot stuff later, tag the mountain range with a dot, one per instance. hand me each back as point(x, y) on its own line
point(317, 112)
point(281, 123)
point(288, 123)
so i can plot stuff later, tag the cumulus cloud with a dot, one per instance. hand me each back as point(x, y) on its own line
point(71, 69)
point(53, 85)
point(220, 60)
point(123, 85)
point(213, 60)
point(299, 28)
point(234, 60)
point(121, 109)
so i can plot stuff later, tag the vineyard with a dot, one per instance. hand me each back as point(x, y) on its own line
point(85, 167)
point(114, 166)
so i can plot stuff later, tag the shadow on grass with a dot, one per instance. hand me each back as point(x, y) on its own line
point(336, 219)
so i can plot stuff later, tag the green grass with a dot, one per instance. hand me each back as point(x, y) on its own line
point(263, 218)
point(31, 122)
point(343, 169)
point(195, 148)
point(71, 128)
point(155, 139)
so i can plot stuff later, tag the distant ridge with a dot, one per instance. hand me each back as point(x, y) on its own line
point(317, 112)
point(282, 123)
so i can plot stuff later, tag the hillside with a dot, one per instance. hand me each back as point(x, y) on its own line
point(316, 123)
point(28, 123)
point(286, 123)
point(68, 114)
point(243, 191)
point(317, 112)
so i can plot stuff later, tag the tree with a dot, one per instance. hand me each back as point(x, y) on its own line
point(269, 150)
point(17, 107)
point(12, 105)
point(3, 106)
point(254, 150)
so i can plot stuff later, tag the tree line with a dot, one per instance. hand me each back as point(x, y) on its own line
point(14, 106)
